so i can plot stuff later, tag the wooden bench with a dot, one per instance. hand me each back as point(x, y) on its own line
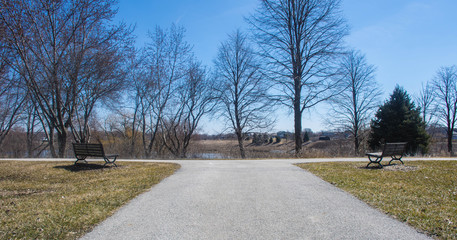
point(84, 150)
point(393, 150)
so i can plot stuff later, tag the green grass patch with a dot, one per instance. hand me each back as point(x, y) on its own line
point(420, 193)
point(56, 200)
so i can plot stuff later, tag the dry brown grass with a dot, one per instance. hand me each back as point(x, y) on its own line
point(49, 200)
point(285, 149)
point(228, 149)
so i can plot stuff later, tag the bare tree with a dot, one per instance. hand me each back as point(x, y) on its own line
point(192, 99)
point(51, 40)
point(11, 95)
point(40, 34)
point(300, 40)
point(426, 101)
point(12, 98)
point(445, 86)
point(241, 88)
point(100, 68)
point(135, 92)
point(352, 108)
point(164, 65)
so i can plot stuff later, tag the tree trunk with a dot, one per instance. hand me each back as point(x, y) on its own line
point(356, 139)
point(241, 144)
point(62, 142)
point(183, 153)
point(297, 121)
point(132, 142)
point(449, 142)
point(297, 127)
point(356, 144)
point(30, 133)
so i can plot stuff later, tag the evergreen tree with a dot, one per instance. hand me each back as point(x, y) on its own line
point(306, 137)
point(399, 120)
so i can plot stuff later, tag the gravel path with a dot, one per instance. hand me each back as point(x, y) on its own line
point(248, 200)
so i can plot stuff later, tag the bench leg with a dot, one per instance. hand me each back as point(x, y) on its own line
point(80, 159)
point(377, 161)
point(107, 161)
point(394, 158)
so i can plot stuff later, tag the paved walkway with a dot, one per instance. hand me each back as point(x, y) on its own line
point(252, 199)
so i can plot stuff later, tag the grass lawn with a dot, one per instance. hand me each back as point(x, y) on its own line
point(421, 193)
point(56, 200)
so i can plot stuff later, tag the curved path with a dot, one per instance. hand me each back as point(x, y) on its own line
point(250, 199)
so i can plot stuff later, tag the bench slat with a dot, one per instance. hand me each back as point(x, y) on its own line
point(394, 149)
point(93, 150)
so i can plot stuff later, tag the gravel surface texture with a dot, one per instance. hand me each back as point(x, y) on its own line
point(248, 199)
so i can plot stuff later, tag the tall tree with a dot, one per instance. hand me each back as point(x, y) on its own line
point(398, 120)
point(352, 108)
point(165, 63)
point(52, 41)
point(192, 99)
point(445, 88)
point(300, 40)
point(241, 89)
point(100, 67)
point(136, 93)
point(11, 95)
point(34, 126)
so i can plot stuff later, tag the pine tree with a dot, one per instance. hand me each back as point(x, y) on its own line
point(399, 120)
point(306, 137)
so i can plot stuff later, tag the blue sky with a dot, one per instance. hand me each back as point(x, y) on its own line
point(407, 40)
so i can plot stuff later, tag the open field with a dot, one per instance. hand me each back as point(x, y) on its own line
point(56, 200)
point(421, 193)
point(228, 149)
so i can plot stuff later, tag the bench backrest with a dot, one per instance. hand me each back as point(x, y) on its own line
point(88, 149)
point(394, 149)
